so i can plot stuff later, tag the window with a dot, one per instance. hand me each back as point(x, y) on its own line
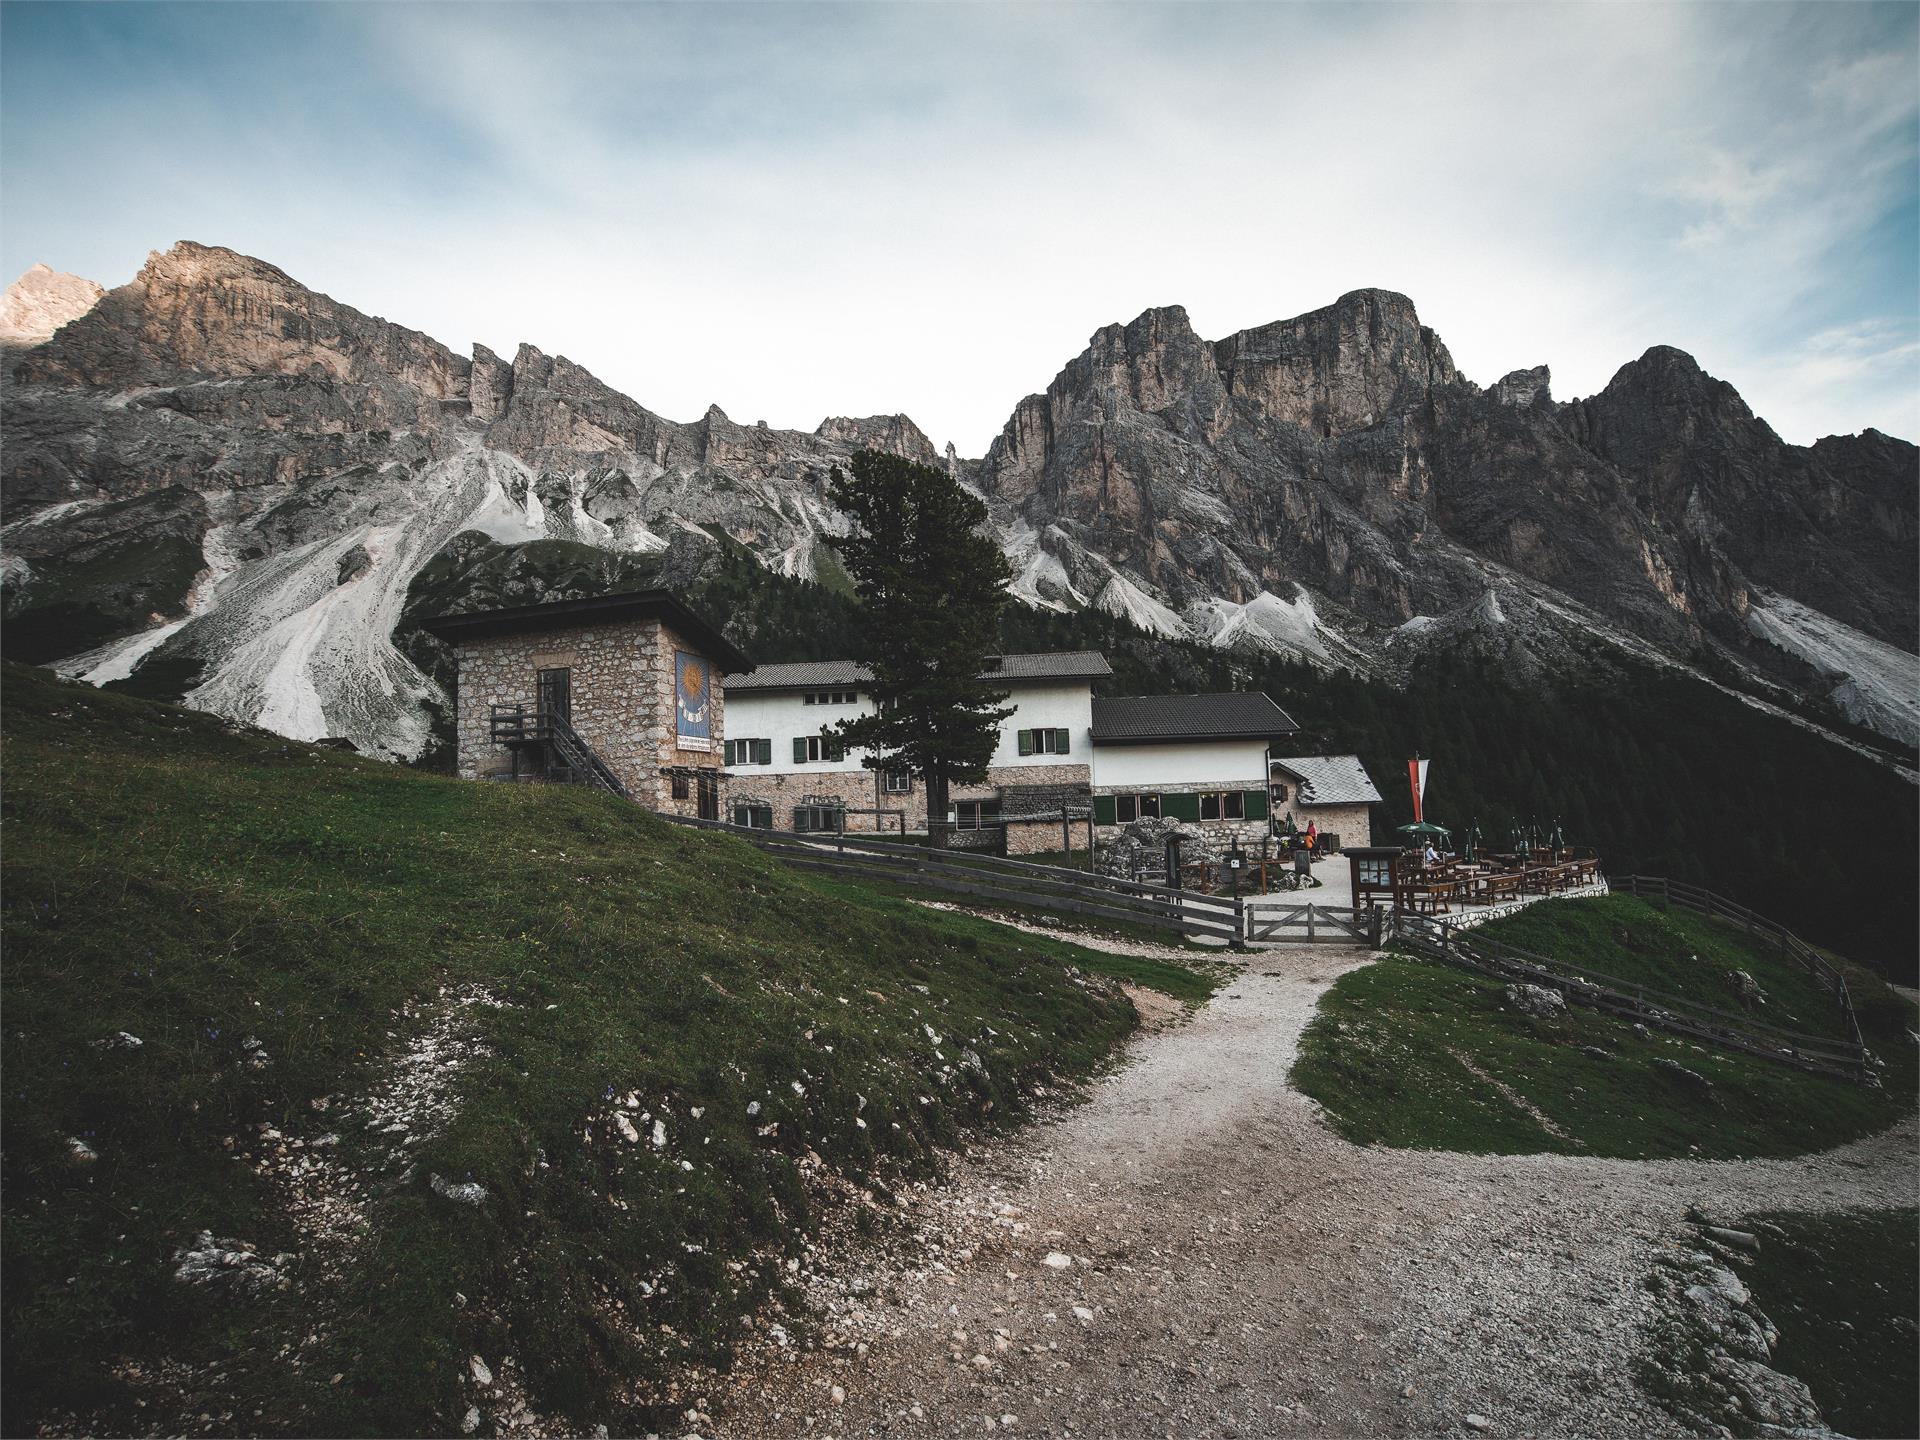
point(1043, 742)
point(831, 697)
point(828, 818)
point(759, 817)
point(749, 752)
point(976, 814)
point(680, 791)
point(1149, 807)
point(899, 782)
point(1126, 808)
point(1227, 805)
point(1279, 792)
point(813, 749)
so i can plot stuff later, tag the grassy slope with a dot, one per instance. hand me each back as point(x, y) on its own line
point(1383, 1054)
point(200, 888)
point(1844, 1291)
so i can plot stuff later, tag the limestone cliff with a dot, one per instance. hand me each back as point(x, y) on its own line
point(221, 484)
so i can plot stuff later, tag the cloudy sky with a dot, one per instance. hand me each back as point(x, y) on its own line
point(798, 210)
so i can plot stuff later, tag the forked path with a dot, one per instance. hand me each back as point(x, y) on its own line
point(1233, 1268)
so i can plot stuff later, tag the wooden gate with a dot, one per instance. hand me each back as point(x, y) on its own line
point(1315, 924)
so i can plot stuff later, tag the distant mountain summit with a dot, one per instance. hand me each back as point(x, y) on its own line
point(221, 484)
point(40, 302)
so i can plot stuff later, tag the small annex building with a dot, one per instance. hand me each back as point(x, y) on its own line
point(1198, 758)
point(1332, 791)
point(633, 680)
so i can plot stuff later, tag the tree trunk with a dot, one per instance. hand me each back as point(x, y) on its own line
point(936, 802)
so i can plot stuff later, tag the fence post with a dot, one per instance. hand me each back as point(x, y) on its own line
point(1309, 920)
point(1066, 831)
point(1239, 923)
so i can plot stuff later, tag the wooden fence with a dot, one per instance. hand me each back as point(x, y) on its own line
point(1662, 891)
point(991, 877)
point(1437, 940)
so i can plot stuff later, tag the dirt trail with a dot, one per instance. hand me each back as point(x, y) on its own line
point(1223, 1264)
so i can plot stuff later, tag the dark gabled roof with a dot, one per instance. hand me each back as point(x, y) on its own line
point(1330, 779)
point(812, 674)
point(661, 605)
point(801, 675)
point(1167, 719)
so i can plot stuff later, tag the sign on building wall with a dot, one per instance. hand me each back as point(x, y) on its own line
point(693, 690)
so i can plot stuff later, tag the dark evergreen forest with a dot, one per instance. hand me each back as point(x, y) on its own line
point(1658, 771)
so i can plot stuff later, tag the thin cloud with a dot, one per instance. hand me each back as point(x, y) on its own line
point(802, 210)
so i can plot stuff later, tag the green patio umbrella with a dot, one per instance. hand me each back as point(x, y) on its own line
point(1425, 827)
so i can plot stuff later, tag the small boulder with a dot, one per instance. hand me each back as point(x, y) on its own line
point(1536, 1000)
point(225, 1265)
point(1676, 1071)
point(470, 1192)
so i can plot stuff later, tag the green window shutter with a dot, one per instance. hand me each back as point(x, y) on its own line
point(799, 749)
point(1026, 742)
point(831, 748)
point(1060, 742)
point(1103, 809)
point(763, 752)
point(1180, 807)
point(1256, 804)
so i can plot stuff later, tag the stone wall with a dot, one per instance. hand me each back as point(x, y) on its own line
point(1001, 776)
point(1352, 823)
point(762, 785)
point(622, 684)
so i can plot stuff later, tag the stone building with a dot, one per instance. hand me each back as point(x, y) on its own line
point(1332, 791)
point(1196, 758)
point(638, 678)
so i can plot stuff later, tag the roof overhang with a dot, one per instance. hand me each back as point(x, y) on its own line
point(660, 605)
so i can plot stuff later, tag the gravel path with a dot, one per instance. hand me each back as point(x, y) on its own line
point(1191, 1252)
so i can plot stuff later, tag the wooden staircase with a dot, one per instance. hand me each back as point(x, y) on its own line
point(558, 752)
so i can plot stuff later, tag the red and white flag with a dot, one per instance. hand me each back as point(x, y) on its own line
point(1417, 777)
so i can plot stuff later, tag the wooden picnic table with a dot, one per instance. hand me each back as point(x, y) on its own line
point(1433, 897)
point(1499, 884)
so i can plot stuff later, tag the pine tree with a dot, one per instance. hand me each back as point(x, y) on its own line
point(932, 587)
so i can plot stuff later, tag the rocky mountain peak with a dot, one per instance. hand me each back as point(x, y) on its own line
point(1525, 387)
point(895, 434)
point(1341, 368)
point(41, 301)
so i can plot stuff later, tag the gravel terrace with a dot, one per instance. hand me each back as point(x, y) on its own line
point(1191, 1252)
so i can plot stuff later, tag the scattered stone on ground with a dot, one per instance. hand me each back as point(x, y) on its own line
point(1240, 1269)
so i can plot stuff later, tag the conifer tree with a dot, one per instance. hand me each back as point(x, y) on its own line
point(932, 586)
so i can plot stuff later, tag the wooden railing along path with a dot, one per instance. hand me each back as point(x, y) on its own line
point(1659, 1009)
point(1704, 902)
point(991, 877)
